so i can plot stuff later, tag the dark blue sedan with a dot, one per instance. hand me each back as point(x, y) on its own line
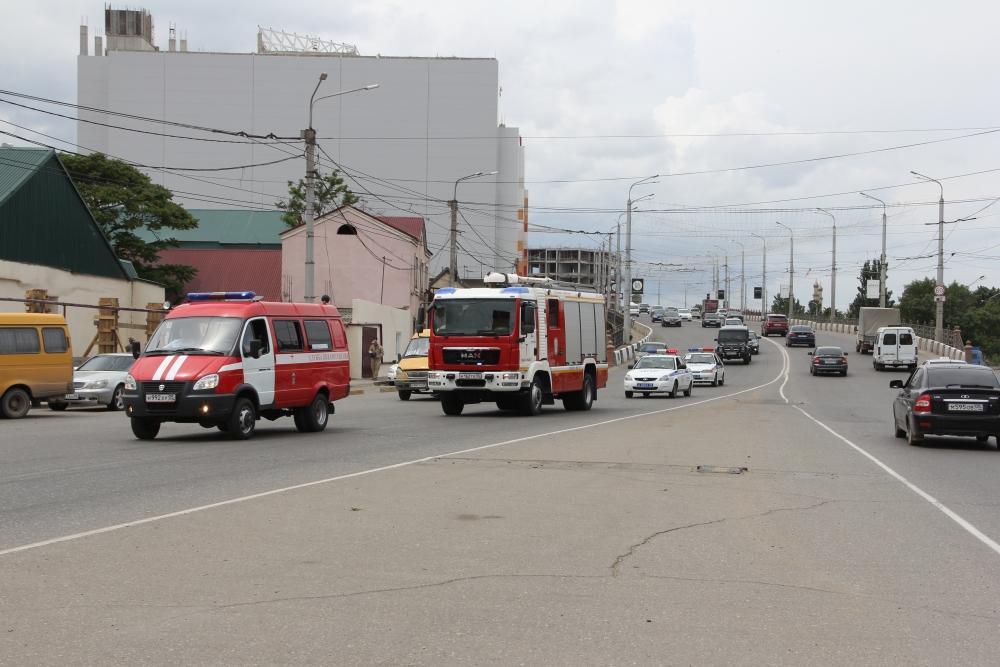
point(800, 334)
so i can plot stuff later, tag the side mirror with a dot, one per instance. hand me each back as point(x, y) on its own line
point(255, 348)
point(845, 354)
point(896, 384)
point(135, 349)
point(399, 358)
point(810, 353)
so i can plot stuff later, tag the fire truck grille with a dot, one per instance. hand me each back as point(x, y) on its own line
point(471, 357)
point(470, 383)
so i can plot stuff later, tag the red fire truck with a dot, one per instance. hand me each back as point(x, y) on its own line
point(519, 342)
point(226, 359)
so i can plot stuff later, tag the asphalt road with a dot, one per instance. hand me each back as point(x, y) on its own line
point(612, 537)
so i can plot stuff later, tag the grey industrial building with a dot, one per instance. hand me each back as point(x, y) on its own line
point(575, 265)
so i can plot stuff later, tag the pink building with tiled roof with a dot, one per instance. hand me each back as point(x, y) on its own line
point(382, 259)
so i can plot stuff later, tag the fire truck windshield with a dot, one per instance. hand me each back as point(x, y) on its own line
point(206, 335)
point(474, 317)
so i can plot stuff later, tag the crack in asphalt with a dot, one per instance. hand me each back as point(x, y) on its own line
point(621, 558)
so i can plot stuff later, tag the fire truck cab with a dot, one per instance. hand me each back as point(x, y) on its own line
point(226, 359)
point(520, 342)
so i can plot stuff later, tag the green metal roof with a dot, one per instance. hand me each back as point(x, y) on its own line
point(17, 165)
point(43, 219)
point(222, 227)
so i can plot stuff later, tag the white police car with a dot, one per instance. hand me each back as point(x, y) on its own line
point(705, 366)
point(659, 374)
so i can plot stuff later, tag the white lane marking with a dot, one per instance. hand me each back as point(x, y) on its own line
point(172, 373)
point(361, 473)
point(944, 509)
point(162, 367)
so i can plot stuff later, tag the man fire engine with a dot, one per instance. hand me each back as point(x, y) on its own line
point(520, 342)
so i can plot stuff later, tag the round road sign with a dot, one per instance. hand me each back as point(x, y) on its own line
point(637, 285)
point(939, 290)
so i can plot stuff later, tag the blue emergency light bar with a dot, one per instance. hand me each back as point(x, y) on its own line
point(445, 290)
point(694, 349)
point(514, 290)
point(221, 296)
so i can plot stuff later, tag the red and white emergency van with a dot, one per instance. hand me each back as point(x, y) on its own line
point(226, 359)
point(520, 342)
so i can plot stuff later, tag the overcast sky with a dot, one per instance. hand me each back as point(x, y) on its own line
point(810, 79)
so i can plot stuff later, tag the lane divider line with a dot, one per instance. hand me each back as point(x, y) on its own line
point(370, 471)
point(944, 509)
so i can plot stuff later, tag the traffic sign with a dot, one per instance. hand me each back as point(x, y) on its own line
point(758, 293)
point(939, 290)
point(637, 285)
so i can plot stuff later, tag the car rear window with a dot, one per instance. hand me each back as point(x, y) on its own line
point(801, 329)
point(777, 318)
point(889, 339)
point(943, 377)
point(829, 352)
point(652, 348)
point(905, 339)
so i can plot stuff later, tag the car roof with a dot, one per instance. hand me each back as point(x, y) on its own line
point(945, 360)
point(734, 327)
point(962, 365)
point(660, 356)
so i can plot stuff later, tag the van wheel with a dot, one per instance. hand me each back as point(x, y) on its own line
point(15, 403)
point(117, 399)
point(243, 420)
point(404, 395)
point(314, 418)
point(583, 400)
point(452, 404)
point(145, 429)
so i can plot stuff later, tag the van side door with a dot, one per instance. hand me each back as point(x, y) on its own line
point(289, 342)
point(258, 372)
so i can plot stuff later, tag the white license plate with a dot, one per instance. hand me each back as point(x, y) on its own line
point(161, 398)
point(72, 397)
point(965, 407)
point(645, 385)
point(470, 376)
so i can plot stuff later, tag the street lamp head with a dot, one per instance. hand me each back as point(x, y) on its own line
point(322, 76)
point(371, 86)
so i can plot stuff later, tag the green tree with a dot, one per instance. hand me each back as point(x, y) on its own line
point(330, 194)
point(123, 200)
point(870, 271)
point(780, 306)
point(916, 306)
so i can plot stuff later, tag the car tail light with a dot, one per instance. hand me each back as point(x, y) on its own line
point(817, 360)
point(923, 404)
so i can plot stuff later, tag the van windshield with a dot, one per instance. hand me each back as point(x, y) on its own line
point(418, 347)
point(195, 335)
point(474, 317)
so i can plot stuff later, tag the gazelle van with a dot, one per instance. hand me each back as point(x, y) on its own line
point(895, 347)
point(35, 361)
point(226, 359)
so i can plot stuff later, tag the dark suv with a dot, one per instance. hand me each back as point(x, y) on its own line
point(774, 324)
point(947, 399)
point(734, 343)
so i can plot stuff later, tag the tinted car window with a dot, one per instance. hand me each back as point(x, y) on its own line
point(318, 333)
point(288, 335)
point(905, 339)
point(18, 340)
point(652, 348)
point(829, 352)
point(943, 377)
point(889, 339)
point(801, 329)
point(55, 340)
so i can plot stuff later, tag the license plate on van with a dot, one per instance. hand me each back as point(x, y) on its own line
point(161, 398)
point(470, 376)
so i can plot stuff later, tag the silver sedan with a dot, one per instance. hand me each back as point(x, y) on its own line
point(99, 380)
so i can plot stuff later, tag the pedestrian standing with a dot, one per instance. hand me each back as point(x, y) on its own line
point(375, 352)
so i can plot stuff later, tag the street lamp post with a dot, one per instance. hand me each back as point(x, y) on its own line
point(763, 279)
point(627, 321)
point(309, 134)
point(791, 268)
point(833, 268)
point(725, 266)
point(453, 204)
point(743, 281)
point(881, 272)
point(938, 298)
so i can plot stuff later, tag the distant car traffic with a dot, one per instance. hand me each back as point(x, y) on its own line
point(99, 380)
point(685, 314)
point(734, 343)
point(754, 343)
point(947, 399)
point(711, 320)
point(696, 312)
point(671, 318)
point(800, 334)
point(774, 325)
point(656, 313)
point(651, 347)
point(633, 310)
point(828, 360)
point(895, 347)
point(706, 367)
point(737, 314)
point(732, 322)
point(659, 374)
point(643, 307)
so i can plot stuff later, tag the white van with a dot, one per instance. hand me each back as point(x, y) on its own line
point(895, 347)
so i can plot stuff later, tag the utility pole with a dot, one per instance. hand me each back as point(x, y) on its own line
point(833, 269)
point(938, 298)
point(763, 280)
point(791, 268)
point(881, 276)
point(453, 205)
point(628, 256)
point(743, 272)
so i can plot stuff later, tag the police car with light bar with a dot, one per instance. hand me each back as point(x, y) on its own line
point(706, 366)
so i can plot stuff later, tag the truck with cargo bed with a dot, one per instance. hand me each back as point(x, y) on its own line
point(870, 320)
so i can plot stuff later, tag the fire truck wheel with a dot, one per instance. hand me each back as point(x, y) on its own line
point(452, 404)
point(316, 416)
point(243, 420)
point(531, 400)
point(507, 403)
point(145, 429)
point(404, 395)
point(583, 400)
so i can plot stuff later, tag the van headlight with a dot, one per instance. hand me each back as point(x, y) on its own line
point(207, 382)
point(130, 383)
